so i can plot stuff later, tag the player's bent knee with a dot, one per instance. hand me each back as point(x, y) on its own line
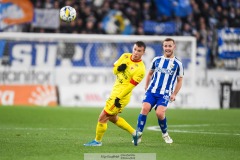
point(145, 111)
point(146, 108)
point(160, 114)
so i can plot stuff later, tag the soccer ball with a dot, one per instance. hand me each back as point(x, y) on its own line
point(67, 13)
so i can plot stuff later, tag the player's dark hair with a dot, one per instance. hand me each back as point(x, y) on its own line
point(169, 39)
point(141, 44)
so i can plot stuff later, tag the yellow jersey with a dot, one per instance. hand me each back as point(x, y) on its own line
point(128, 79)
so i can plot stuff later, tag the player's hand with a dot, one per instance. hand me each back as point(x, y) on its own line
point(172, 98)
point(116, 102)
point(122, 67)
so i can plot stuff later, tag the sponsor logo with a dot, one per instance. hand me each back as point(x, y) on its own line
point(43, 96)
point(7, 97)
point(25, 77)
point(164, 70)
point(90, 78)
point(28, 95)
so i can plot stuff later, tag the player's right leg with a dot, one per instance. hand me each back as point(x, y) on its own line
point(100, 130)
point(142, 118)
point(148, 102)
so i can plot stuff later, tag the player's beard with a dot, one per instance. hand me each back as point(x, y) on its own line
point(168, 54)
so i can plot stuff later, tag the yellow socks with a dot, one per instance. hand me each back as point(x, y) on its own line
point(100, 130)
point(124, 125)
point(102, 127)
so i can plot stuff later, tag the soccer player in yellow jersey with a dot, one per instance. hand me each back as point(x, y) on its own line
point(129, 70)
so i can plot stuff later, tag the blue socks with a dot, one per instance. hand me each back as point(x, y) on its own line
point(163, 125)
point(141, 122)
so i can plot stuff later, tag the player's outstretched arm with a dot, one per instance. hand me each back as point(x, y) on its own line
point(126, 90)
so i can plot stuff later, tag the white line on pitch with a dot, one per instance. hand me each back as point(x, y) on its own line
point(156, 128)
point(189, 125)
point(200, 132)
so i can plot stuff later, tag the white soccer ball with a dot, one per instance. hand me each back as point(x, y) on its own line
point(68, 13)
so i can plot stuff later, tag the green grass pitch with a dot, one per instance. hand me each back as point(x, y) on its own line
point(37, 133)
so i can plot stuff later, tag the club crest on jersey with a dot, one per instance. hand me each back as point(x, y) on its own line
point(171, 65)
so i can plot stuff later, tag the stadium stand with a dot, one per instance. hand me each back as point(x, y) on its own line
point(201, 21)
point(214, 23)
point(199, 18)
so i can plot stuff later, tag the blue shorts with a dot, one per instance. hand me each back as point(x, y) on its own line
point(156, 99)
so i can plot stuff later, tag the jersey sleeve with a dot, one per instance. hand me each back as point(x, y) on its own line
point(180, 70)
point(153, 66)
point(126, 90)
point(138, 77)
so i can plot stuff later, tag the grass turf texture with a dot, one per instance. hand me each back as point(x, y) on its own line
point(59, 133)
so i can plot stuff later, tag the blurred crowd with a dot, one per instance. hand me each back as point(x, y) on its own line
point(202, 22)
point(206, 15)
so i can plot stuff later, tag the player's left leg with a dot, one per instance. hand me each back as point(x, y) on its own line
point(123, 124)
point(119, 121)
point(162, 121)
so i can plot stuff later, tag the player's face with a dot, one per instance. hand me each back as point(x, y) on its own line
point(137, 52)
point(168, 48)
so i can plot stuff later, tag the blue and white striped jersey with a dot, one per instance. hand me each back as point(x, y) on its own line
point(166, 71)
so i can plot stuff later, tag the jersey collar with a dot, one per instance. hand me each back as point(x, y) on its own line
point(135, 61)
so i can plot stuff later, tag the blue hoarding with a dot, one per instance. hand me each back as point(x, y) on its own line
point(51, 54)
point(229, 43)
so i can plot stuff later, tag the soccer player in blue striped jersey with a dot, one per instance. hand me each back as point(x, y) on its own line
point(163, 82)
